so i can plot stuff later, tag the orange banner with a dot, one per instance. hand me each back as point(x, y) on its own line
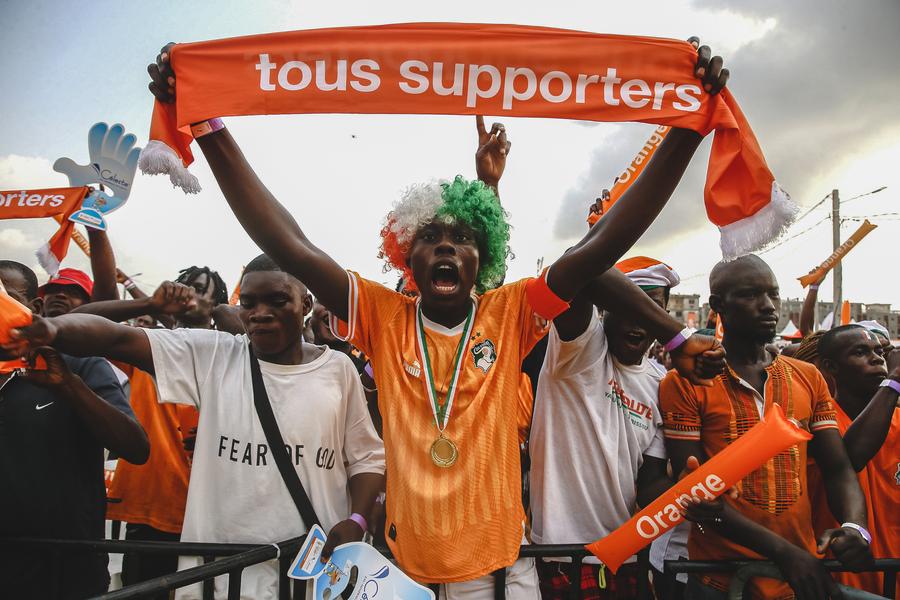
point(838, 254)
point(50, 202)
point(633, 171)
point(459, 68)
point(80, 241)
point(761, 443)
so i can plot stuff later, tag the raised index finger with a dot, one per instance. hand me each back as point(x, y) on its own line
point(479, 123)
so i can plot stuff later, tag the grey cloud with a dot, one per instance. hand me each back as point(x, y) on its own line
point(818, 88)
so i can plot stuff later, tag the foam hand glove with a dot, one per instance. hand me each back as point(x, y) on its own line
point(113, 161)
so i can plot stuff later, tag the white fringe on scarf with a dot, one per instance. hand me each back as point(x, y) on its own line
point(157, 158)
point(757, 231)
point(47, 260)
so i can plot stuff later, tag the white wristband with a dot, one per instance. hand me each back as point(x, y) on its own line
point(680, 338)
point(894, 385)
point(862, 531)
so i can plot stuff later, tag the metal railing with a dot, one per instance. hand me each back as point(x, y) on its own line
point(232, 559)
point(743, 571)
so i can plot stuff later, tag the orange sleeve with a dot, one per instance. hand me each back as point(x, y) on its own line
point(370, 306)
point(544, 301)
point(680, 408)
point(532, 325)
point(823, 413)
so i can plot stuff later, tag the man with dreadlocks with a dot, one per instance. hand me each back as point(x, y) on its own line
point(448, 362)
point(210, 292)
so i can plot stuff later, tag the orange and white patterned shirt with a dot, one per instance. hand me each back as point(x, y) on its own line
point(774, 495)
point(460, 522)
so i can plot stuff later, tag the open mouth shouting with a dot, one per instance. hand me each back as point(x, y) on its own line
point(635, 337)
point(445, 279)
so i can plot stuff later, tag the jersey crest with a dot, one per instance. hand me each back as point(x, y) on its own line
point(484, 355)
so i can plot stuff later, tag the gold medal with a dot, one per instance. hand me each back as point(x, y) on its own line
point(444, 452)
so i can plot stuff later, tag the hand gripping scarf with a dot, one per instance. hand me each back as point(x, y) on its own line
point(466, 69)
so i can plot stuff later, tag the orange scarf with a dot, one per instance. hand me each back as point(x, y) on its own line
point(457, 68)
point(52, 202)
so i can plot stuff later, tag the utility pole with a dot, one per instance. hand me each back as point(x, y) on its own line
point(835, 243)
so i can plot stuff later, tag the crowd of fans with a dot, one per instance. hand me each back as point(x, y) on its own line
point(455, 418)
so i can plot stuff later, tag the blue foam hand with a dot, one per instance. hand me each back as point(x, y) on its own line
point(113, 162)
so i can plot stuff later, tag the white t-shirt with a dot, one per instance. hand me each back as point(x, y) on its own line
point(594, 421)
point(236, 493)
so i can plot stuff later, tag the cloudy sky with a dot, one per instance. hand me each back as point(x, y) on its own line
point(816, 79)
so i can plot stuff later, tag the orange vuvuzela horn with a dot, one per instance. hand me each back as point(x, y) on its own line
point(761, 443)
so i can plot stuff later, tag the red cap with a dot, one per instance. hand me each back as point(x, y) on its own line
point(70, 277)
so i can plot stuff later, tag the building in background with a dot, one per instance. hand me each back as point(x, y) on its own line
point(790, 312)
point(687, 309)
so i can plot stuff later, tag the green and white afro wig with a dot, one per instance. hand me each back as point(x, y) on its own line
point(459, 201)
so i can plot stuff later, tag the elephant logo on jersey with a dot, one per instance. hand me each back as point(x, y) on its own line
point(485, 355)
point(897, 475)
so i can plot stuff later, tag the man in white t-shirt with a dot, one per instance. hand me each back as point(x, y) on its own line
point(597, 449)
point(236, 492)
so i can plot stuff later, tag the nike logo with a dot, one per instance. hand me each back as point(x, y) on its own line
point(40, 406)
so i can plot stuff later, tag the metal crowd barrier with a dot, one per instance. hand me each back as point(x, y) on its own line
point(746, 570)
point(232, 559)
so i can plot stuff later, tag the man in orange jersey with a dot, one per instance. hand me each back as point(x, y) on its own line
point(867, 416)
point(772, 517)
point(448, 363)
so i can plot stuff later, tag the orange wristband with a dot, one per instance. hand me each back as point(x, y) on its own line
point(544, 301)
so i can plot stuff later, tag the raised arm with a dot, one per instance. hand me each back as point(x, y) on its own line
point(865, 436)
point(130, 286)
point(490, 157)
point(698, 359)
point(103, 266)
point(83, 335)
point(612, 236)
point(169, 299)
point(808, 312)
point(267, 222)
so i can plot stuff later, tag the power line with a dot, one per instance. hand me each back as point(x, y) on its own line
point(882, 188)
point(861, 217)
point(814, 207)
point(827, 196)
point(796, 235)
point(819, 222)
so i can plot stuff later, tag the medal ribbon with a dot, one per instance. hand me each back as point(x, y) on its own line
point(442, 414)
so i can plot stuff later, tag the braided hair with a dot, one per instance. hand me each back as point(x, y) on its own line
point(809, 347)
point(220, 290)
